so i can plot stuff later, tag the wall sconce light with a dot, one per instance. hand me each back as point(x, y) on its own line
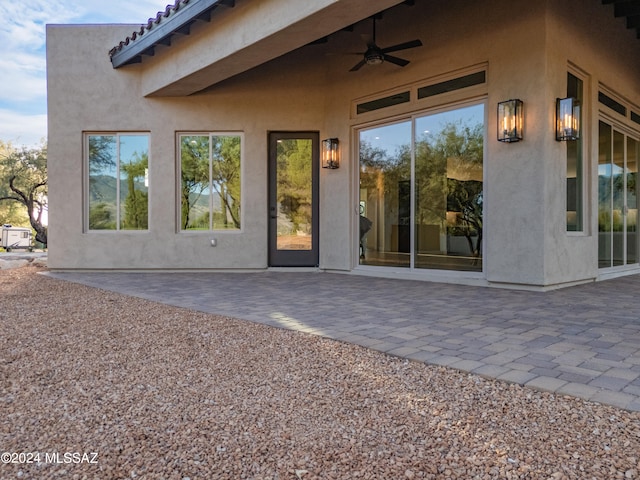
point(567, 119)
point(510, 121)
point(330, 153)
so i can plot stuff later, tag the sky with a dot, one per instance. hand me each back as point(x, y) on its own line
point(23, 81)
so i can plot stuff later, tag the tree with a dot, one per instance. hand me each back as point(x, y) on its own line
point(449, 168)
point(225, 167)
point(24, 172)
point(137, 202)
point(294, 181)
point(447, 180)
point(210, 165)
point(194, 178)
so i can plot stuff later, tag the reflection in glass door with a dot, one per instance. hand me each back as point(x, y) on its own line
point(617, 198)
point(449, 189)
point(385, 195)
point(293, 199)
point(421, 191)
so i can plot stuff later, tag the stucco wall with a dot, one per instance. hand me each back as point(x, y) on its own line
point(605, 52)
point(98, 98)
point(525, 235)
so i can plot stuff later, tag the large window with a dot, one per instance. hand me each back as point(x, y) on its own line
point(118, 166)
point(210, 167)
point(421, 191)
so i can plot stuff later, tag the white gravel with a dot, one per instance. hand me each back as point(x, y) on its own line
point(159, 392)
point(17, 260)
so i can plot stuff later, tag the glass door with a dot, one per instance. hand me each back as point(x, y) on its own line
point(421, 191)
point(385, 195)
point(618, 157)
point(293, 199)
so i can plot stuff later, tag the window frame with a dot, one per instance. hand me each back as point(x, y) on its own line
point(210, 134)
point(87, 176)
point(417, 103)
point(583, 226)
point(413, 116)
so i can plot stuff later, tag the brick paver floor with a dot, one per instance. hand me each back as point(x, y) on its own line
point(582, 341)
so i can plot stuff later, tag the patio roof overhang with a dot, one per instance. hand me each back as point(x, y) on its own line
point(270, 28)
point(245, 34)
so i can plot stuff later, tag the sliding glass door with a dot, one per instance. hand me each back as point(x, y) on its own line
point(421, 191)
point(618, 158)
point(385, 195)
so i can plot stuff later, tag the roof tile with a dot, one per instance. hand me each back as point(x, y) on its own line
point(159, 18)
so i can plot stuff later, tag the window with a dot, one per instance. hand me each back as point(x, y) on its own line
point(575, 165)
point(421, 191)
point(379, 103)
point(118, 166)
point(210, 167)
point(612, 104)
point(451, 85)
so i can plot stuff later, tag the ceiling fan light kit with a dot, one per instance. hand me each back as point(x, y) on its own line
point(373, 57)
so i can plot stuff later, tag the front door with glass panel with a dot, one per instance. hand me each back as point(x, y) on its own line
point(421, 191)
point(293, 199)
point(618, 158)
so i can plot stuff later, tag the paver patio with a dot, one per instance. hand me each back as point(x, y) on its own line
point(582, 341)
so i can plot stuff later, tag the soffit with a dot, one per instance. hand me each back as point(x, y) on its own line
point(221, 22)
point(240, 36)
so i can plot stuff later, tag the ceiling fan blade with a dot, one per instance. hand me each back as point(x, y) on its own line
point(398, 61)
point(403, 46)
point(343, 54)
point(358, 66)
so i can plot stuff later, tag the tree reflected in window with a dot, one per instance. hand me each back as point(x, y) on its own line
point(210, 182)
point(422, 201)
point(118, 166)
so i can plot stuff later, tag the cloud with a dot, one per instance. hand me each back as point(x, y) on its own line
point(23, 23)
point(122, 11)
point(23, 62)
point(24, 79)
point(22, 129)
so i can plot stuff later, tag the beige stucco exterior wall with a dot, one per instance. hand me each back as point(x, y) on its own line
point(601, 49)
point(525, 238)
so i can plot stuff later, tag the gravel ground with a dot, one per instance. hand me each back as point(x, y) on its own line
point(161, 392)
